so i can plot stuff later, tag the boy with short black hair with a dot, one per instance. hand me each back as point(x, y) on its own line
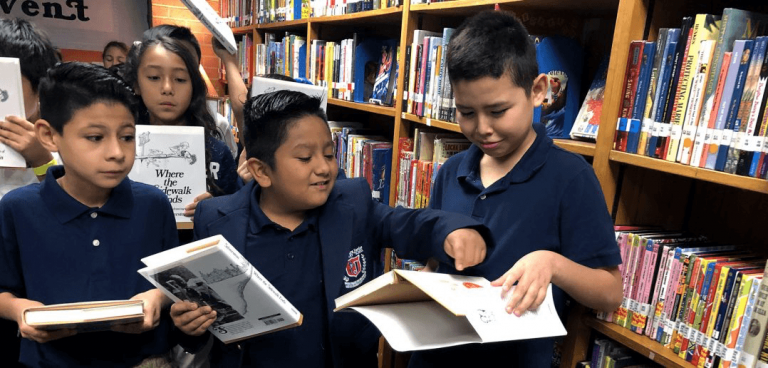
point(314, 238)
point(80, 234)
point(543, 205)
point(19, 39)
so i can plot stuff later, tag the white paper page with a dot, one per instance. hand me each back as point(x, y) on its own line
point(452, 291)
point(11, 103)
point(263, 85)
point(492, 322)
point(419, 326)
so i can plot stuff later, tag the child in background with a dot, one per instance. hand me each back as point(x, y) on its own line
point(164, 71)
point(114, 54)
point(314, 238)
point(80, 234)
point(543, 205)
point(19, 39)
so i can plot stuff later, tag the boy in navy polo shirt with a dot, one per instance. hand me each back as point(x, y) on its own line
point(543, 205)
point(80, 234)
point(314, 238)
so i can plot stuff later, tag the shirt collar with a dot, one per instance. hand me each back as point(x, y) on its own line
point(66, 208)
point(258, 220)
point(533, 159)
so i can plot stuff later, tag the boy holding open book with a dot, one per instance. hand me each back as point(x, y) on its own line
point(542, 204)
point(313, 238)
point(79, 235)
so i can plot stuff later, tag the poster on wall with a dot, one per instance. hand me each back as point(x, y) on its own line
point(82, 24)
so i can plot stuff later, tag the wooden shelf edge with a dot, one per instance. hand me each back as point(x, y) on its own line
point(243, 30)
point(358, 15)
point(284, 24)
point(375, 109)
point(542, 4)
point(432, 122)
point(718, 177)
point(184, 225)
point(639, 343)
point(578, 147)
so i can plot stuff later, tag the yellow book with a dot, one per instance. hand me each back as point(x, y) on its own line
point(738, 316)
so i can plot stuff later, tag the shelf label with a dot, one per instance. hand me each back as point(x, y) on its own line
point(664, 129)
point(727, 136)
point(429, 122)
point(675, 131)
point(647, 124)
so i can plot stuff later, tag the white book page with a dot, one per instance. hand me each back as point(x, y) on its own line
point(454, 292)
point(11, 103)
point(419, 326)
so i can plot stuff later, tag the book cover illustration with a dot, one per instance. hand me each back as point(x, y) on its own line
point(11, 103)
point(561, 60)
point(588, 120)
point(171, 159)
point(381, 85)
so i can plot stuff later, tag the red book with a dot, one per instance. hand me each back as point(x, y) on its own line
point(634, 59)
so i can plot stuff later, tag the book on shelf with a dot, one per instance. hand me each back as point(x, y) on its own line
point(661, 94)
point(211, 272)
point(172, 159)
point(561, 59)
point(691, 117)
point(237, 13)
point(85, 317)
point(11, 103)
point(422, 310)
point(263, 85)
point(631, 75)
point(730, 105)
point(211, 20)
point(587, 122)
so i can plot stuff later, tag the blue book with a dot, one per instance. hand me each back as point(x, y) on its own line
point(561, 59)
point(381, 172)
point(662, 89)
point(371, 50)
point(643, 81)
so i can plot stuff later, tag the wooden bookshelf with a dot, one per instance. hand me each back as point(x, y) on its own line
point(639, 343)
point(463, 7)
point(287, 25)
point(379, 16)
point(731, 180)
point(432, 122)
point(243, 30)
point(371, 108)
point(582, 148)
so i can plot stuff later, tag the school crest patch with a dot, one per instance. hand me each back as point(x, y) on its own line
point(356, 268)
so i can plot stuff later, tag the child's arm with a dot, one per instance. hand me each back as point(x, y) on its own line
point(238, 92)
point(466, 247)
point(598, 288)
point(12, 308)
point(19, 134)
point(154, 302)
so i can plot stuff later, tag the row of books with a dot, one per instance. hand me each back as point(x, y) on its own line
point(428, 92)
point(245, 57)
point(359, 69)
point(364, 155)
point(270, 11)
point(286, 57)
point(397, 263)
point(419, 160)
point(703, 301)
point(606, 353)
point(237, 13)
point(697, 94)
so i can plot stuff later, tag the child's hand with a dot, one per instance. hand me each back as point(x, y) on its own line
point(533, 273)
point(466, 246)
point(34, 334)
point(221, 51)
point(153, 304)
point(19, 134)
point(189, 210)
point(190, 319)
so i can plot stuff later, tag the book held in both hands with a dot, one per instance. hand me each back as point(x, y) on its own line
point(85, 317)
point(11, 103)
point(212, 272)
point(423, 310)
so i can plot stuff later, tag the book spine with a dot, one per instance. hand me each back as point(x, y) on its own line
point(736, 321)
point(691, 118)
point(747, 360)
point(650, 100)
point(731, 125)
point(709, 154)
point(641, 96)
point(630, 89)
point(662, 93)
point(755, 339)
point(701, 147)
point(678, 61)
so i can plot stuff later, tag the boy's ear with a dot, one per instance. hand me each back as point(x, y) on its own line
point(45, 133)
point(260, 171)
point(539, 89)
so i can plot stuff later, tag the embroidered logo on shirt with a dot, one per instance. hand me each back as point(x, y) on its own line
point(356, 268)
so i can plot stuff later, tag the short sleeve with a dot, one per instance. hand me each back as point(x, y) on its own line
point(586, 228)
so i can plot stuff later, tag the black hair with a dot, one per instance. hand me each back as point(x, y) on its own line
point(197, 113)
point(175, 32)
point(20, 39)
point(282, 77)
point(117, 44)
point(491, 44)
point(269, 116)
point(69, 87)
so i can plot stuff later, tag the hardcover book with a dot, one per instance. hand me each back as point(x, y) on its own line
point(172, 159)
point(85, 317)
point(588, 120)
point(11, 103)
point(211, 20)
point(212, 272)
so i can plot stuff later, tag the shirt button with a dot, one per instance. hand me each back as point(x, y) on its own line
point(93, 215)
point(96, 243)
point(291, 256)
point(482, 197)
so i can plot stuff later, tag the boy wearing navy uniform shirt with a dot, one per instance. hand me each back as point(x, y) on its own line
point(543, 205)
point(80, 234)
point(313, 238)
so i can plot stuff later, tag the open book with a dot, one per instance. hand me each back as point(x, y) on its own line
point(211, 20)
point(422, 310)
point(263, 85)
point(11, 103)
point(85, 317)
point(212, 272)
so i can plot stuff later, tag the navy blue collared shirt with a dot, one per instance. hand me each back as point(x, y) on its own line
point(54, 249)
point(292, 262)
point(551, 200)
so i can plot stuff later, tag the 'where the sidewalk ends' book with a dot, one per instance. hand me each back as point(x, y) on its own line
point(85, 317)
point(211, 20)
point(11, 103)
point(212, 272)
point(172, 159)
point(422, 310)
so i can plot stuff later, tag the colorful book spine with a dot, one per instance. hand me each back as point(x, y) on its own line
point(731, 125)
point(722, 107)
point(631, 76)
point(698, 83)
point(641, 96)
point(662, 91)
point(701, 149)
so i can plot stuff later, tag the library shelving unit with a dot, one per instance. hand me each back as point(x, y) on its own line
point(637, 189)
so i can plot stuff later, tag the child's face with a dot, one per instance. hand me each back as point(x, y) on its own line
point(113, 56)
point(495, 114)
point(305, 166)
point(97, 146)
point(164, 85)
